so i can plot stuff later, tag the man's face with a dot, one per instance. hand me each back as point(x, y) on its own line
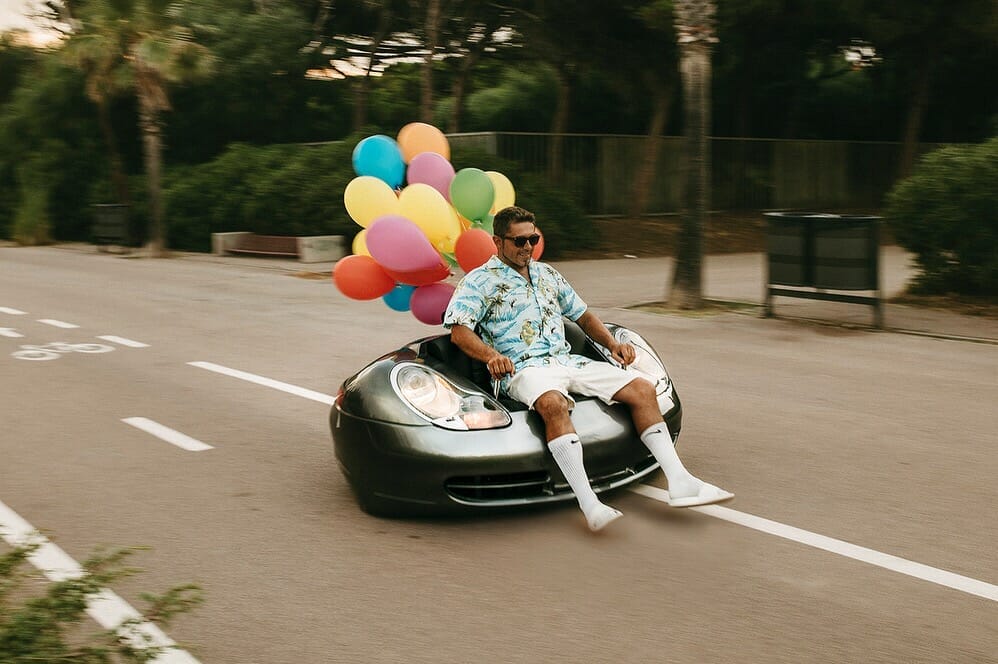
point(509, 252)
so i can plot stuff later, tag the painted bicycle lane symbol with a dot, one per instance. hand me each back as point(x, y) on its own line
point(56, 349)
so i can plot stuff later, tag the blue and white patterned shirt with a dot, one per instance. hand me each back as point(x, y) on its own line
point(520, 319)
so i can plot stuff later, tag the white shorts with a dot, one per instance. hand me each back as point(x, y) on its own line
point(597, 379)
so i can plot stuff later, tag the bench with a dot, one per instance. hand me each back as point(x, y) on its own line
point(266, 245)
point(312, 249)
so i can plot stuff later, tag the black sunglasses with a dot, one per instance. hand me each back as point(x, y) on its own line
point(522, 240)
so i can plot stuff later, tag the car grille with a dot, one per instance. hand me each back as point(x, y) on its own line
point(533, 486)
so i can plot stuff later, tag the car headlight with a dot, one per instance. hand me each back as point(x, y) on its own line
point(444, 404)
point(646, 360)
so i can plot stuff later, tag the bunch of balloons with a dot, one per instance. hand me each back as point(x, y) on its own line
point(419, 219)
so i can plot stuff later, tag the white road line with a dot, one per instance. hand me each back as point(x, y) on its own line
point(123, 341)
point(893, 563)
point(12, 312)
point(9, 332)
point(105, 607)
point(57, 323)
point(266, 382)
point(171, 436)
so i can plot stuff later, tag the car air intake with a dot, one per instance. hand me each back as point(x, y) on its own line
point(531, 487)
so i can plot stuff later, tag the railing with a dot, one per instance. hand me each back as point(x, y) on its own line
point(598, 170)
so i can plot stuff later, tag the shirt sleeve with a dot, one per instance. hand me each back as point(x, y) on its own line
point(467, 305)
point(571, 304)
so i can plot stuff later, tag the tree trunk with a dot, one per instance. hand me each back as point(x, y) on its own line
point(459, 87)
point(559, 124)
point(426, 80)
point(913, 123)
point(362, 86)
point(118, 179)
point(152, 143)
point(641, 190)
point(687, 283)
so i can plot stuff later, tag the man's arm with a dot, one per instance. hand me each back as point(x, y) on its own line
point(465, 338)
point(596, 330)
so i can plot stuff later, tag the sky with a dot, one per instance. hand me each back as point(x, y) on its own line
point(14, 14)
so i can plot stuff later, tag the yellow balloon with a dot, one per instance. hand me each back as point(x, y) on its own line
point(505, 194)
point(417, 137)
point(367, 198)
point(427, 208)
point(360, 244)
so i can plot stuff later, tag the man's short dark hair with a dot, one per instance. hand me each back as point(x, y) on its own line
point(510, 215)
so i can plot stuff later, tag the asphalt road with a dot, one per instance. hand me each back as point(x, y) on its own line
point(878, 440)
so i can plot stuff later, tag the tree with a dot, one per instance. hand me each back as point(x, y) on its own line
point(140, 47)
point(695, 34)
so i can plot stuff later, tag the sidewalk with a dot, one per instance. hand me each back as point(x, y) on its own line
point(626, 282)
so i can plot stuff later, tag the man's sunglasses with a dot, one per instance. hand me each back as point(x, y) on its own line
point(522, 240)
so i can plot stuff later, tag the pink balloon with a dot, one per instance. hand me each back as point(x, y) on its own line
point(429, 302)
point(432, 169)
point(399, 245)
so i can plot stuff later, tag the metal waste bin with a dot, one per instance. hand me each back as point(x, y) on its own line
point(809, 254)
point(111, 225)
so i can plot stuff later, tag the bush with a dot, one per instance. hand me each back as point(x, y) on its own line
point(46, 627)
point(273, 190)
point(298, 190)
point(946, 213)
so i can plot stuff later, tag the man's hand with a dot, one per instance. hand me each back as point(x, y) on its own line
point(623, 353)
point(499, 366)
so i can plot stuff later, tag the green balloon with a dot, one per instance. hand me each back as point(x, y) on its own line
point(472, 193)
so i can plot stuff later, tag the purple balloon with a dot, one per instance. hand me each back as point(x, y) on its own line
point(428, 303)
point(432, 169)
point(399, 245)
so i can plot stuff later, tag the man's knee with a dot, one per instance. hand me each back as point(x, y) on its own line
point(637, 391)
point(551, 404)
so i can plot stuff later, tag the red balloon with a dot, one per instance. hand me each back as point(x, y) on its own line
point(361, 278)
point(428, 303)
point(538, 248)
point(473, 248)
point(421, 277)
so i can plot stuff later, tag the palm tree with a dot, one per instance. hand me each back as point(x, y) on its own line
point(695, 33)
point(139, 47)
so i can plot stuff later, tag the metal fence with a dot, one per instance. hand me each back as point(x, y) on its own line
point(598, 170)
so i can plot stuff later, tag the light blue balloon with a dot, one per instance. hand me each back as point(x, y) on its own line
point(398, 297)
point(381, 157)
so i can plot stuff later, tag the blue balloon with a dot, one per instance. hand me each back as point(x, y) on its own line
point(381, 157)
point(398, 297)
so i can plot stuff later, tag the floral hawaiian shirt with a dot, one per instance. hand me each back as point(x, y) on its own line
point(520, 319)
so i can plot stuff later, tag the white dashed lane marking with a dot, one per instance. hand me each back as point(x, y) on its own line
point(123, 341)
point(266, 382)
point(9, 332)
point(57, 323)
point(181, 440)
point(12, 312)
point(885, 560)
point(105, 607)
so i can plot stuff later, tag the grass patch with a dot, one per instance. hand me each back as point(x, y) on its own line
point(710, 308)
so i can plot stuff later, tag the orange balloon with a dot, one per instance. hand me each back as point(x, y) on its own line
point(538, 248)
point(421, 277)
point(417, 137)
point(473, 248)
point(360, 277)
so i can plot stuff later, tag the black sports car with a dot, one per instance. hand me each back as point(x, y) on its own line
point(419, 431)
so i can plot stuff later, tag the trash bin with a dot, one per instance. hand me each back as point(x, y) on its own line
point(823, 252)
point(111, 225)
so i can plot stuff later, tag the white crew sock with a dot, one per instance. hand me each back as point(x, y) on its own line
point(681, 483)
point(567, 453)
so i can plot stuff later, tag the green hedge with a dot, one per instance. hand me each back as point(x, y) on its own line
point(298, 190)
point(946, 213)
